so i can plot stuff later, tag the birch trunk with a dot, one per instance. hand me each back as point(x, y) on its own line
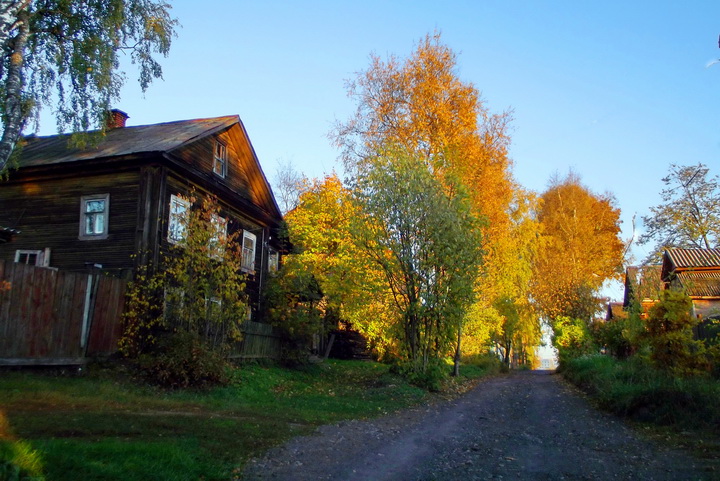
point(14, 118)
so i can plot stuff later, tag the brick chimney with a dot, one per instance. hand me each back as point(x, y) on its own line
point(116, 119)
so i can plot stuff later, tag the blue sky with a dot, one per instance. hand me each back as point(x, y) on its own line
point(616, 90)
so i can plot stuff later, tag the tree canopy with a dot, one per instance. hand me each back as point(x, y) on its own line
point(421, 105)
point(689, 215)
point(427, 245)
point(580, 249)
point(67, 55)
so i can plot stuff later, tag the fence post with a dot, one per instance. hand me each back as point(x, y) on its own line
point(89, 308)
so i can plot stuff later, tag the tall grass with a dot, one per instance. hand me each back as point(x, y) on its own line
point(633, 388)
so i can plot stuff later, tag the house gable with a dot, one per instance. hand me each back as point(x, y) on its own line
point(244, 176)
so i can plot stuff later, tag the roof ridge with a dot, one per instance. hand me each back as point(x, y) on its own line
point(127, 127)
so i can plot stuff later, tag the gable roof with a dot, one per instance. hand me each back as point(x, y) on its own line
point(642, 283)
point(694, 258)
point(696, 270)
point(54, 149)
point(615, 310)
point(155, 139)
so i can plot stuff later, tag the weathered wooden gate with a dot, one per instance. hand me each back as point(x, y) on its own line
point(48, 316)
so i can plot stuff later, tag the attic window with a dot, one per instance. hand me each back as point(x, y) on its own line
point(220, 159)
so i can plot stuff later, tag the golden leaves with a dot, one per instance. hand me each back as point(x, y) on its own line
point(580, 249)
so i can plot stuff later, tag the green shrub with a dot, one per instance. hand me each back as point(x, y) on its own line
point(636, 389)
point(183, 360)
point(611, 335)
point(295, 304)
point(488, 362)
point(669, 330)
point(572, 339)
point(432, 378)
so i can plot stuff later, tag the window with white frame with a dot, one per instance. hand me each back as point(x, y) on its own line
point(219, 234)
point(177, 218)
point(273, 260)
point(220, 159)
point(248, 251)
point(94, 214)
point(33, 257)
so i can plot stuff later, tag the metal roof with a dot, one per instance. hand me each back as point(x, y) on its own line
point(700, 283)
point(120, 141)
point(694, 258)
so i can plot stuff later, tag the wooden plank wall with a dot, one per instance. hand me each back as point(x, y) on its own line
point(41, 315)
point(260, 341)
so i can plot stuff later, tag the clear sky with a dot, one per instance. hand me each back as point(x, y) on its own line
point(616, 90)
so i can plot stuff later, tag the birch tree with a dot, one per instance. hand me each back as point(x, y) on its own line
point(320, 228)
point(67, 55)
point(580, 249)
point(421, 105)
point(427, 245)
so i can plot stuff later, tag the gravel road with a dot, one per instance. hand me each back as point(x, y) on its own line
point(525, 425)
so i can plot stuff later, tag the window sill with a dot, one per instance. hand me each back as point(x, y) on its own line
point(93, 237)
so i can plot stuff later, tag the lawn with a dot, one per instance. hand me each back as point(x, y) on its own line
point(102, 425)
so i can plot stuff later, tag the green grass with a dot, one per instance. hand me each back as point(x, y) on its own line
point(104, 426)
point(636, 390)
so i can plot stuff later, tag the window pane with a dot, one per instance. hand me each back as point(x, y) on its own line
point(99, 223)
point(94, 210)
point(177, 219)
point(273, 261)
point(94, 224)
point(95, 206)
point(248, 251)
point(220, 160)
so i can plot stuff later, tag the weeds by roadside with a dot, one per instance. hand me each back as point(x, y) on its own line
point(636, 390)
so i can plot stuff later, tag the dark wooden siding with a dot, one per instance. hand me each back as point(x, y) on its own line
point(237, 221)
point(244, 176)
point(200, 155)
point(48, 215)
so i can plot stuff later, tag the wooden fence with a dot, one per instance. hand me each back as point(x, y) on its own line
point(260, 341)
point(53, 317)
point(49, 316)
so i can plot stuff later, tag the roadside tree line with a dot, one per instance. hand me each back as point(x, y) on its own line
point(429, 247)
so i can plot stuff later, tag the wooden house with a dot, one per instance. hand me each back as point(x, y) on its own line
point(642, 287)
point(697, 272)
point(115, 204)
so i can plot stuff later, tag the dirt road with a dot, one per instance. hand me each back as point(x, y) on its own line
point(526, 425)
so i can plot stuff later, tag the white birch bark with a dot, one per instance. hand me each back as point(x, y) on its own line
point(9, 10)
point(14, 118)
